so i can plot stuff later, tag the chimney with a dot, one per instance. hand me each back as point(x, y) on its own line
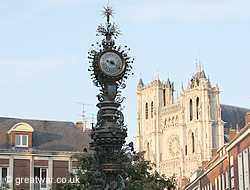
point(232, 133)
point(237, 129)
point(214, 152)
point(80, 125)
point(247, 118)
point(88, 131)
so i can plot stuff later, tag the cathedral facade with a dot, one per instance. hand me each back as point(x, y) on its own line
point(179, 133)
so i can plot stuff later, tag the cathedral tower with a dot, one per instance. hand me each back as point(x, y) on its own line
point(179, 134)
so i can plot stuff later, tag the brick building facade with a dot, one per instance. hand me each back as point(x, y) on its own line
point(229, 168)
point(34, 150)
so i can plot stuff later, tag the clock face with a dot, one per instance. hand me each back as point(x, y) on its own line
point(174, 146)
point(111, 64)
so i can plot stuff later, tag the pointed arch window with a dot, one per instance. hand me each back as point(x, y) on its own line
point(193, 143)
point(152, 109)
point(146, 110)
point(148, 153)
point(164, 97)
point(197, 107)
point(191, 109)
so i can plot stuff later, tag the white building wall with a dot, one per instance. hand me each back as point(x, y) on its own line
point(170, 130)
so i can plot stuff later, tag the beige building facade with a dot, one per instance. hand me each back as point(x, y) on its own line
point(178, 133)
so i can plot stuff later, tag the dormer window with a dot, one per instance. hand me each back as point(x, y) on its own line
point(21, 135)
point(21, 140)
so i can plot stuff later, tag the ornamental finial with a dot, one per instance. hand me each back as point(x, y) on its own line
point(111, 30)
point(108, 11)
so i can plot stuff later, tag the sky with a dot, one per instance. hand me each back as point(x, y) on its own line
point(44, 46)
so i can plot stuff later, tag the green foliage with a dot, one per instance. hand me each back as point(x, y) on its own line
point(4, 187)
point(84, 174)
point(140, 174)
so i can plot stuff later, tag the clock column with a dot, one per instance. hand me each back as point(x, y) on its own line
point(109, 67)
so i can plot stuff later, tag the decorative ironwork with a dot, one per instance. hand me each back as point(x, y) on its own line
point(110, 66)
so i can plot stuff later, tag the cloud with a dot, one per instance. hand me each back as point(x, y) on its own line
point(12, 70)
point(189, 10)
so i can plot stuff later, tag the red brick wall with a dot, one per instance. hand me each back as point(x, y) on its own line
point(40, 162)
point(218, 170)
point(194, 185)
point(21, 170)
point(214, 152)
point(60, 169)
point(245, 143)
point(232, 134)
point(4, 161)
point(74, 164)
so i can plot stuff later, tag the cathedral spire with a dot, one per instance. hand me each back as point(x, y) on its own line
point(182, 89)
point(140, 81)
point(177, 96)
point(196, 63)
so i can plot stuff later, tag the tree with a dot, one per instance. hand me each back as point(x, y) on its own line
point(140, 174)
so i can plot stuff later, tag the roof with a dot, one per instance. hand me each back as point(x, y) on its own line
point(199, 75)
point(140, 82)
point(233, 115)
point(47, 135)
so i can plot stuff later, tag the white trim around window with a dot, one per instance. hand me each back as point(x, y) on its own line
point(21, 140)
point(240, 171)
point(246, 168)
point(4, 172)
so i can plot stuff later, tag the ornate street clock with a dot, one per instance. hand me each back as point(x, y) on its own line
point(110, 66)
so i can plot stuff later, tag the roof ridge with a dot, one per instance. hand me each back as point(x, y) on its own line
point(235, 106)
point(36, 119)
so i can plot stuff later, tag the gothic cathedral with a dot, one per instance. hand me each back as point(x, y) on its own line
point(179, 134)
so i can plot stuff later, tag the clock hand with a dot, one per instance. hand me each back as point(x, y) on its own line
point(111, 62)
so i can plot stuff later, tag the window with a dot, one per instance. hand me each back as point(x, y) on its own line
point(197, 108)
point(246, 168)
point(193, 149)
point(215, 184)
point(232, 171)
point(164, 97)
point(146, 110)
point(152, 109)
point(3, 174)
point(219, 183)
point(208, 186)
point(227, 180)
point(186, 149)
point(148, 153)
point(240, 171)
point(40, 175)
point(222, 181)
point(211, 186)
point(21, 140)
point(191, 109)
